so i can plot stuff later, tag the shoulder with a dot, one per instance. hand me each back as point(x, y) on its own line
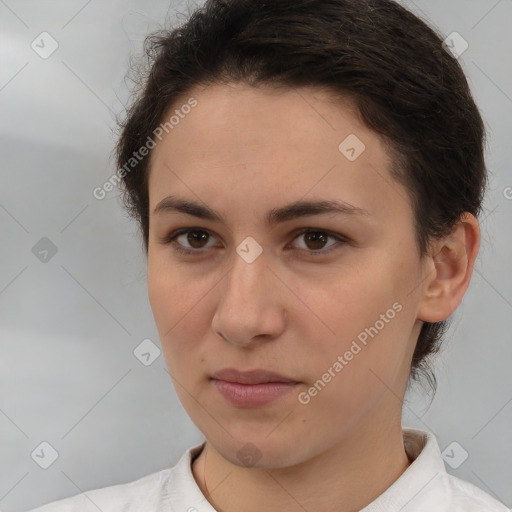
point(141, 494)
point(171, 488)
point(469, 498)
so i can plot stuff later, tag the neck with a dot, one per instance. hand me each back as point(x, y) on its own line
point(347, 477)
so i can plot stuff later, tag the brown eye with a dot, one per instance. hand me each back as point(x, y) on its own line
point(196, 239)
point(193, 241)
point(188, 241)
point(315, 241)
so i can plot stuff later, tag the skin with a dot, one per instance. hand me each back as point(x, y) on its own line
point(243, 151)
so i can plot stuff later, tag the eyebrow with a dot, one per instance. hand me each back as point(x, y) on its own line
point(297, 209)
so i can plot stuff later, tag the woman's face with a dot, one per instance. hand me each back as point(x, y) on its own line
point(335, 310)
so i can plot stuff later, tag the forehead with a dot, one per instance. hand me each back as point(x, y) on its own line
point(261, 146)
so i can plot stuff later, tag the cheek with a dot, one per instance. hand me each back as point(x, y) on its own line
point(176, 300)
point(367, 319)
point(351, 298)
point(366, 365)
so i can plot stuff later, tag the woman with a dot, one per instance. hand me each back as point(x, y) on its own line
point(307, 178)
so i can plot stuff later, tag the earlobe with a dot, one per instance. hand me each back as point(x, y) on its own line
point(448, 269)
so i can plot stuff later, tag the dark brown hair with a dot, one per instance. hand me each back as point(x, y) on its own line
point(406, 86)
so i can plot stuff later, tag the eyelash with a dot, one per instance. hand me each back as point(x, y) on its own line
point(170, 239)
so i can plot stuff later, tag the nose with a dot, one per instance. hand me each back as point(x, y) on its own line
point(251, 306)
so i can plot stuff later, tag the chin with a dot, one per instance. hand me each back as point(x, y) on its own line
point(259, 451)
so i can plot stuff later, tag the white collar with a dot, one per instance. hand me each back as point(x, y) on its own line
point(418, 484)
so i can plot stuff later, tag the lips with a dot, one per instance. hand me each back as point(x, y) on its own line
point(255, 388)
point(250, 377)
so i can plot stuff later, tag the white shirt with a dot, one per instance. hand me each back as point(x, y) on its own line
point(425, 486)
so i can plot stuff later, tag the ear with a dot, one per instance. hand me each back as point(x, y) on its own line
point(448, 270)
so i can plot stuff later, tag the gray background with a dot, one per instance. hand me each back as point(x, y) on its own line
point(69, 325)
